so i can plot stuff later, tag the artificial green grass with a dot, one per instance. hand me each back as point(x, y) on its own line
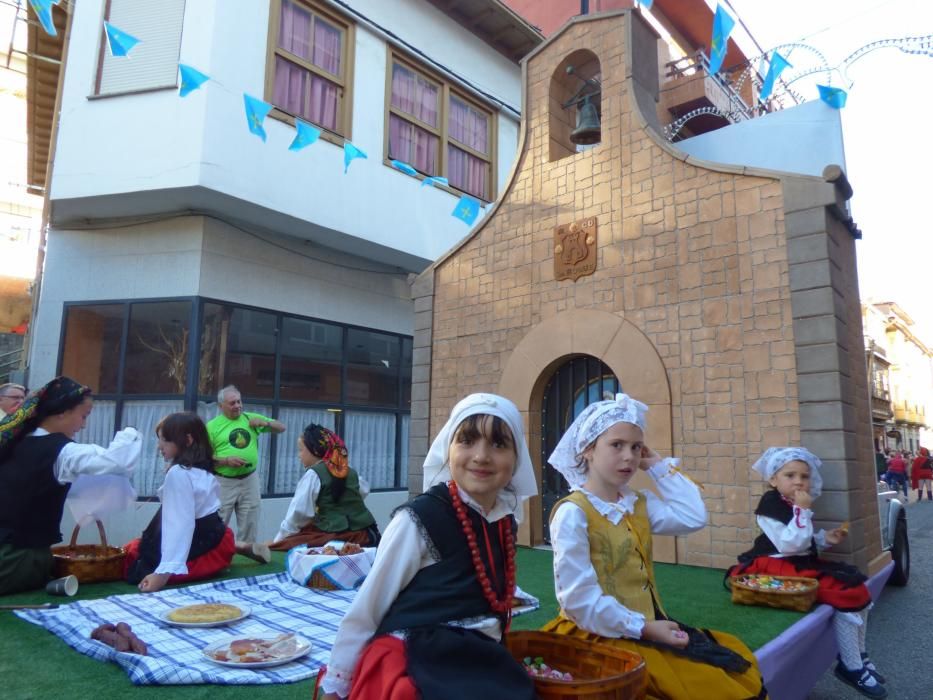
point(35, 664)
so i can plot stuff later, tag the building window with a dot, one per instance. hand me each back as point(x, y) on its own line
point(153, 62)
point(141, 359)
point(309, 65)
point(438, 130)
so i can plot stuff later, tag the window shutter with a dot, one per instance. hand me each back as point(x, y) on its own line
point(153, 62)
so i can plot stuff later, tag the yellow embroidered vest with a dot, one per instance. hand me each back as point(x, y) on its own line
point(621, 554)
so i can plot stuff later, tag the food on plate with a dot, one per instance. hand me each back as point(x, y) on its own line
point(121, 637)
point(255, 650)
point(204, 613)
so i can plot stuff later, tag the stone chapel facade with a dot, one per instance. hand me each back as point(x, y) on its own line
point(725, 298)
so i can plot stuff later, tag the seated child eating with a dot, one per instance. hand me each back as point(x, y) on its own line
point(603, 569)
point(186, 540)
point(788, 546)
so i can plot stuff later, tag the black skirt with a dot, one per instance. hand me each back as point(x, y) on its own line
point(208, 533)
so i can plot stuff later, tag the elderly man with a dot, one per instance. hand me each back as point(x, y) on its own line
point(11, 398)
point(234, 437)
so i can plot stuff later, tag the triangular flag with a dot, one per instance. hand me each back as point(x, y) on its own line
point(776, 67)
point(467, 210)
point(120, 42)
point(722, 28)
point(191, 79)
point(256, 111)
point(432, 181)
point(404, 167)
point(350, 152)
point(43, 10)
point(647, 4)
point(305, 135)
point(834, 97)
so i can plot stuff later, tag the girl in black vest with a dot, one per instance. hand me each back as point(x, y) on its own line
point(328, 501)
point(789, 546)
point(38, 463)
point(429, 619)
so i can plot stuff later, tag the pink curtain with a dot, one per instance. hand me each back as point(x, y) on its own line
point(414, 95)
point(413, 145)
point(471, 128)
point(299, 91)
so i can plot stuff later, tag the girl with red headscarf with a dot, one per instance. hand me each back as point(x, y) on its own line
point(328, 501)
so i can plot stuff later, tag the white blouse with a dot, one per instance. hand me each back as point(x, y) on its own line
point(302, 508)
point(792, 539)
point(679, 511)
point(186, 494)
point(76, 459)
point(402, 553)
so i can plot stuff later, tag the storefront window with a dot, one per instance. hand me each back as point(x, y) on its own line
point(90, 353)
point(372, 368)
point(249, 363)
point(157, 348)
point(312, 354)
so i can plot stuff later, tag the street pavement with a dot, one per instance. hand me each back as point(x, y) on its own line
point(900, 626)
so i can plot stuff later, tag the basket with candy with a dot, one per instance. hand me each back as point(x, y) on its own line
point(538, 669)
point(789, 592)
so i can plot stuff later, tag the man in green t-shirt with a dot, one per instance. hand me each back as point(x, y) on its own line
point(235, 439)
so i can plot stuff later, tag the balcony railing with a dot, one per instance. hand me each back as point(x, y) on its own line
point(718, 90)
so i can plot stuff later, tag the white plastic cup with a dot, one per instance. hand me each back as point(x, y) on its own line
point(67, 585)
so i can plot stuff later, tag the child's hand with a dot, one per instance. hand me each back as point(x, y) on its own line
point(665, 632)
point(837, 535)
point(802, 499)
point(648, 458)
point(153, 583)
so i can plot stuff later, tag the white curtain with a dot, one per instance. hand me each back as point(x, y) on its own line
point(406, 422)
point(209, 410)
point(288, 467)
point(370, 439)
point(145, 416)
point(99, 427)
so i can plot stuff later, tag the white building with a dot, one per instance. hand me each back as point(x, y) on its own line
point(185, 253)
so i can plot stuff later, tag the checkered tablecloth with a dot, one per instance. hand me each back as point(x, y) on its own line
point(277, 605)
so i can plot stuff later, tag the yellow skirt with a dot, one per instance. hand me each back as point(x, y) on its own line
point(674, 677)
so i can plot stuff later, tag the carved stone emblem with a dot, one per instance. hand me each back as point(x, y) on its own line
point(575, 250)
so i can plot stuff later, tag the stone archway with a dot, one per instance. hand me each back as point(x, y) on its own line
point(624, 349)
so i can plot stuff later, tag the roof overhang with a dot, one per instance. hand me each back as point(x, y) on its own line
point(43, 69)
point(495, 23)
point(693, 19)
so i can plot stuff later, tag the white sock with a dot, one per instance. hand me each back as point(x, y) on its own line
point(863, 629)
point(847, 638)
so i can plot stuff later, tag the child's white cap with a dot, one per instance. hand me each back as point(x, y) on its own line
point(776, 457)
point(595, 420)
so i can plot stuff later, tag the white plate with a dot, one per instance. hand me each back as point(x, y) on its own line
point(304, 646)
point(244, 612)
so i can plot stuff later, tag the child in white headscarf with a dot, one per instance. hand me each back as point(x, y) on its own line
point(604, 577)
point(789, 546)
point(429, 617)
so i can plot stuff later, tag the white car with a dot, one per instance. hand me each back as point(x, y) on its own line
point(893, 517)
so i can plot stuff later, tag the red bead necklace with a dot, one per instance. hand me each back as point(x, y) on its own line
point(499, 605)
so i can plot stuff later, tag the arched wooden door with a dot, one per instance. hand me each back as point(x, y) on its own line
point(575, 384)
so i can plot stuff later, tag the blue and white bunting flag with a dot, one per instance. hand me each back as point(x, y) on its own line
point(467, 210)
point(256, 112)
point(120, 42)
point(305, 135)
point(833, 96)
point(350, 153)
point(43, 10)
point(404, 167)
point(191, 79)
point(719, 44)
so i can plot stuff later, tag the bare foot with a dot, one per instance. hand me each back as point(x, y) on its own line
point(256, 551)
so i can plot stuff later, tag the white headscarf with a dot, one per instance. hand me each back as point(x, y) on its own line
point(776, 457)
point(437, 468)
point(595, 420)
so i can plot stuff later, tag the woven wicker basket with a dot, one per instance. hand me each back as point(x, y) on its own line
point(321, 582)
point(90, 563)
point(600, 671)
point(791, 600)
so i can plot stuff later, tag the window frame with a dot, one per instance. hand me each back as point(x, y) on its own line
point(192, 396)
point(447, 90)
point(344, 82)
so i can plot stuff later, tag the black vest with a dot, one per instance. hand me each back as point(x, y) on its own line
point(31, 499)
point(449, 589)
point(772, 505)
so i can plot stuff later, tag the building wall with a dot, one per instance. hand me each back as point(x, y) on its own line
point(155, 142)
point(692, 257)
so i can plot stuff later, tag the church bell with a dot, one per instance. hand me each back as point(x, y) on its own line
point(588, 130)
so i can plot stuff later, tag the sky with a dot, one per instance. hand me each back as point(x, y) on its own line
point(885, 129)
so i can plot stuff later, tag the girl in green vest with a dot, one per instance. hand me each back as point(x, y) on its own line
point(604, 577)
point(328, 501)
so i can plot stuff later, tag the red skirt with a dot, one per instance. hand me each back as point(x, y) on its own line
point(833, 592)
point(381, 672)
point(205, 566)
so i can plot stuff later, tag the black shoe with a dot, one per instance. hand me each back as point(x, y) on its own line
point(866, 662)
point(862, 680)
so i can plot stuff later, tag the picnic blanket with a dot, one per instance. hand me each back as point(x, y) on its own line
point(277, 604)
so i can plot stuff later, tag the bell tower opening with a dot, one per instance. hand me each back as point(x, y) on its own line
point(575, 105)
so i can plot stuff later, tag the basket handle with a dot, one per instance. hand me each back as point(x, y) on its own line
point(100, 529)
